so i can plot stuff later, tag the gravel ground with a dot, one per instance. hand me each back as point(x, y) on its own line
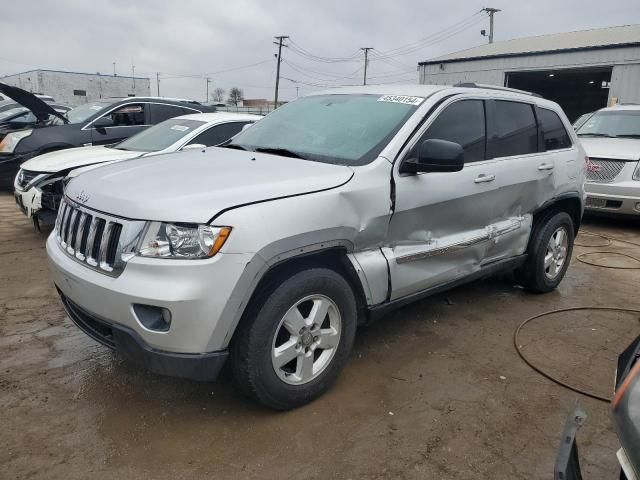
point(432, 391)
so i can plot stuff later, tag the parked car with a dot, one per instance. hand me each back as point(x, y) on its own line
point(16, 117)
point(95, 123)
point(328, 213)
point(39, 183)
point(611, 138)
point(626, 416)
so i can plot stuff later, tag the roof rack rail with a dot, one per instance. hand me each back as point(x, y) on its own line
point(495, 87)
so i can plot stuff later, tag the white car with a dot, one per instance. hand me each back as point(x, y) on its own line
point(40, 181)
point(611, 138)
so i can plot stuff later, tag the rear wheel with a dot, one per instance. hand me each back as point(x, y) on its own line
point(549, 253)
point(295, 338)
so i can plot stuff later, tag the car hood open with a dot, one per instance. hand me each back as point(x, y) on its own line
point(62, 160)
point(195, 186)
point(627, 149)
point(40, 109)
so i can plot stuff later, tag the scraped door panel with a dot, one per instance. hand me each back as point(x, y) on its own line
point(440, 229)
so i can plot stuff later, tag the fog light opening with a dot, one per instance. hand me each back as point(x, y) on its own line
point(153, 318)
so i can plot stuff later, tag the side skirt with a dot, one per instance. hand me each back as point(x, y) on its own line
point(378, 311)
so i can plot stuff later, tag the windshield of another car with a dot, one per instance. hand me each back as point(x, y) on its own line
point(160, 136)
point(82, 112)
point(612, 123)
point(346, 129)
point(7, 114)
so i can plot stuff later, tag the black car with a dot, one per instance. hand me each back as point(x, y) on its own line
point(95, 123)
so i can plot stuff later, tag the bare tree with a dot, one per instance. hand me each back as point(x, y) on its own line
point(218, 94)
point(235, 96)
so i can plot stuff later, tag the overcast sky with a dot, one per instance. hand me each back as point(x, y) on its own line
point(205, 38)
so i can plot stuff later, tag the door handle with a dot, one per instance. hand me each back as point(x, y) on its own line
point(483, 178)
point(545, 166)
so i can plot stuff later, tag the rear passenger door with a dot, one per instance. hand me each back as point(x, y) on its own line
point(439, 229)
point(524, 177)
point(159, 112)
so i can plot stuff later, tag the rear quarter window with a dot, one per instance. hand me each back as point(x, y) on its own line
point(515, 129)
point(554, 134)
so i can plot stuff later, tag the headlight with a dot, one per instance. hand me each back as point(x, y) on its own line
point(636, 174)
point(181, 240)
point(10, 142)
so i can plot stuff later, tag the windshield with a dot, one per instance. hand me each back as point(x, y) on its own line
point(82, 112)
point(613, 123)
point(159, 136)
point(341, 129)
point(11, 112)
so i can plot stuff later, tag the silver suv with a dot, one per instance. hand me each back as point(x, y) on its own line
point(269, 251)
point(611, 138)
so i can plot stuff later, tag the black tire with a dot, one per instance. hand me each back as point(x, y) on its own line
point(251, 363)
point(532, 274)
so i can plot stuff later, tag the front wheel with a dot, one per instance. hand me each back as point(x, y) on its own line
point(549, 253)
point(295, 338)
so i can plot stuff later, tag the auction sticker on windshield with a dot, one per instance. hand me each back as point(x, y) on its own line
point(180, 128)
point(401, 99)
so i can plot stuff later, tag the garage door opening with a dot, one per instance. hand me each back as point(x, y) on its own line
point(577, 91)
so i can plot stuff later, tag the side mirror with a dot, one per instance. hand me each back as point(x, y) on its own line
point(194, 146)
point(103, 122)
point(435, 155)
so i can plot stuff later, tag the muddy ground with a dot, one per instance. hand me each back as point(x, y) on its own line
point(435, 390)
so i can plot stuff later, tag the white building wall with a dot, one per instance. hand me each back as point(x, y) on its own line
point(625, 81)
point(61, 85)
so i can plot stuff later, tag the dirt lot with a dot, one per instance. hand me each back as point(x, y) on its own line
point(435, 390)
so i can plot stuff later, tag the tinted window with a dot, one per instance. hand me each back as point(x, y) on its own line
point(160, 113)
point(554, 134)
point(218, 134)
point(463, 123)
point(516, 130)
point(128, 115)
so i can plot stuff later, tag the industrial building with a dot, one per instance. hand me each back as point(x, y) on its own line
point(582, 71)
point(73, 88)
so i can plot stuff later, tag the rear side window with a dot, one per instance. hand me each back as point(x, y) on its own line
point(218, 134)
point(554, 134)
point(461, 122)
point(160, 113)
point(515, 128)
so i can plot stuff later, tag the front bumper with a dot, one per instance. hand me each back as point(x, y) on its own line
point(200, 367)
point(199, 294)
point(622, 198)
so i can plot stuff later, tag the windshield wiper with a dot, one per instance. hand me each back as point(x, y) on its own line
point(235, 146)
point(629, 135)
point(596, 135)
point(280, 151)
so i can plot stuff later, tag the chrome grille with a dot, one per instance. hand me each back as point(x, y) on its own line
point(25, 177)
point(101, 242)
point(603, 170)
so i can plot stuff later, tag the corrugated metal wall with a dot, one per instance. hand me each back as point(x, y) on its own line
point(625, 81)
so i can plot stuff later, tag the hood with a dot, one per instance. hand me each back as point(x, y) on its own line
point(40, 109)
point(76, 157)
point(619, 148)
point(194, 186)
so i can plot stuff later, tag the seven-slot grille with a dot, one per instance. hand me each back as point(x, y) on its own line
point(25, 176)
point(603, 170)
point(89, 237)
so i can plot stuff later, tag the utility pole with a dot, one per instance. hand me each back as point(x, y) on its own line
point(114, 69)
point(158, 82)
point(133, 77)
point(208, 82)
point(366, 63)
point(491, 12)
point(297, 90)
point(280, 39)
